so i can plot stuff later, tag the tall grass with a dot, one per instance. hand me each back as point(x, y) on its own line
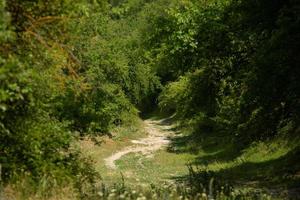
point(118, 191)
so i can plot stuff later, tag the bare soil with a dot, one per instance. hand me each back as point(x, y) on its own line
point(158, 133)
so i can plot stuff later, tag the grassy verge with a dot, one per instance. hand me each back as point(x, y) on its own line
point(271, 165)
point(157, 169)
point(121, 137)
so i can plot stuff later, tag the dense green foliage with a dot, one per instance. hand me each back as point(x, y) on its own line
point(63, 72)
point(231, 66)
point(75, 68)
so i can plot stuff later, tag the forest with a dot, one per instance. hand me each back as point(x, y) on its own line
point(149, 99)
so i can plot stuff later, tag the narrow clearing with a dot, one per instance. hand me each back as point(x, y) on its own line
point(158, 132)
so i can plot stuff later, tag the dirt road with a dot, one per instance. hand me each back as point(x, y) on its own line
point(158, 133)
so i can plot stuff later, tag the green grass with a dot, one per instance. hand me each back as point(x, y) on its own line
point(122, 137)
point(272, 164)
point(262, 165)
point(160, 167)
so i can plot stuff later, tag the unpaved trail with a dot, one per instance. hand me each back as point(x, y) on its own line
point(158, 133)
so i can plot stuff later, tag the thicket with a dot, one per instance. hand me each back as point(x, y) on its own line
point(230, 66)
point(68, 69)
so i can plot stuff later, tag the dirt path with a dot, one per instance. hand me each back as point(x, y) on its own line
point(158, 133)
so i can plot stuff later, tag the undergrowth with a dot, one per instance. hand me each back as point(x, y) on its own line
point(120, 190)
